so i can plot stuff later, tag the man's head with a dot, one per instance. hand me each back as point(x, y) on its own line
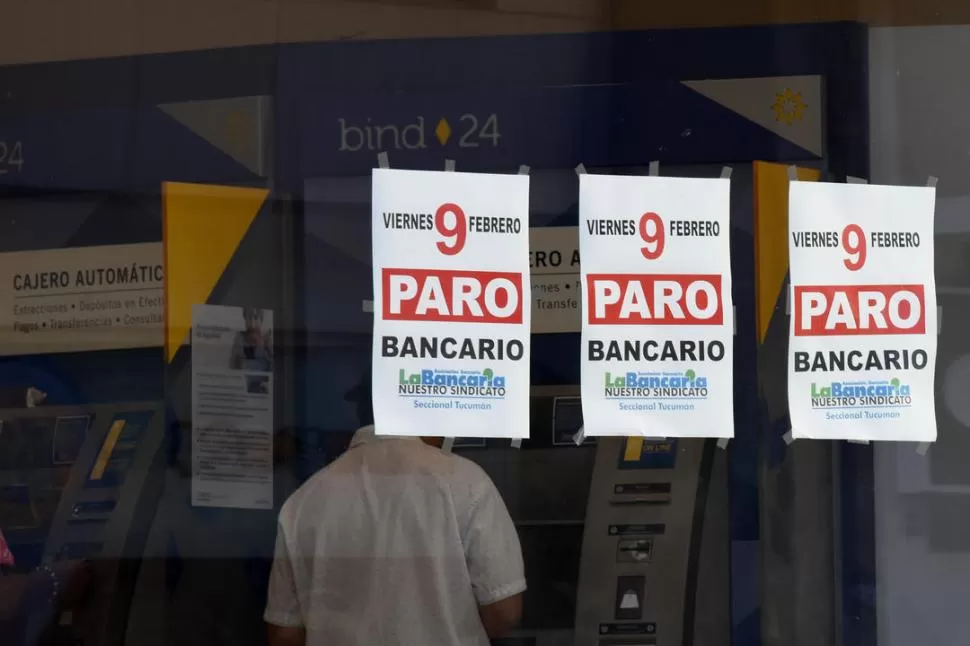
point(362, 395)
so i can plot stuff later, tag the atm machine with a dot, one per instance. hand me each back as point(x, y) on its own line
point(83, 483)
point(625, 541)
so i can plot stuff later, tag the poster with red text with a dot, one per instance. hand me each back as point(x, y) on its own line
point(452, 304)
point(657, 335)
point(862, 347)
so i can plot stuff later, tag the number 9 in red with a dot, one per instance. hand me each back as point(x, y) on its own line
point(652, 233)
point(455, 232)
point(854, 244)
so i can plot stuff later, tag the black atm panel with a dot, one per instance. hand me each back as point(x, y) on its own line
point(83, 483)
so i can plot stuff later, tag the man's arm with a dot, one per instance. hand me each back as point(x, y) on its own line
point(283, 615)
point(501, 617)
point(494, 559)
point(286, 636)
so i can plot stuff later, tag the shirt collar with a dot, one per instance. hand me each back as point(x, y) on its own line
point(366, 435)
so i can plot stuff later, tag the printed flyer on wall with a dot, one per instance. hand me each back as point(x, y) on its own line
point(657, 341)
point(862, 347)
point(232, 407)
point(451, 304)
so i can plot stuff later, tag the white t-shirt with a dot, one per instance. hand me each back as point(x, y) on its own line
point(394, 544)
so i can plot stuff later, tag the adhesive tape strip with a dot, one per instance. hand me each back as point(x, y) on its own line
point(726, 172)
point(580, 436)
point(788, 438)
point(654, 168)
point(448, 444)
point(792, 174)
point(450, 165)
point(580, 169)
point(382, 160)
point(722, 443)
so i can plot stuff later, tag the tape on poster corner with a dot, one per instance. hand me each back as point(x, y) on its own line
point(788, 437)
point(580, 436)
point(939, 319)
point(367, 306)
point(722, 443)
point(923, 448)
point(788, 301)
point(792, 173)
point(382, 161)
point(932, 181)
point(450, 165)
point(580, 169)
point(524, 170)
point(857, 441)
point(654, 168)
point(517, 443)
point(849, 179)
point(726, 172)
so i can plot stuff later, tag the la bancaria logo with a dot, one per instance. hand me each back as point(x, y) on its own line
point(451, 383)
point(889, 393)
point(655, 385)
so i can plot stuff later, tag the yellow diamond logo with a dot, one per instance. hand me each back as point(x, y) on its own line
point(442, 131)
point(789, 106)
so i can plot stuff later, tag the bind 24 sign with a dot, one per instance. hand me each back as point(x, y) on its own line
point(467, 131)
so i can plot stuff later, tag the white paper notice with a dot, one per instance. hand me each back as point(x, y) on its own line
point(451, 304)
point(862, 348)
point(657, 348)
point(232, 407)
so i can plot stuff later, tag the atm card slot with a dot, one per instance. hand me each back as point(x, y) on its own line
point(641, 493)
point(642, 488)
point(643, 501)
point(87, 521)
point(93, 507)
point(652, 529)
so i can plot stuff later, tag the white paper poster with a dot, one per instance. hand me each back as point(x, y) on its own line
point(452, 304)
point(862, 346)
point(232, 407)
point(657, 346)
